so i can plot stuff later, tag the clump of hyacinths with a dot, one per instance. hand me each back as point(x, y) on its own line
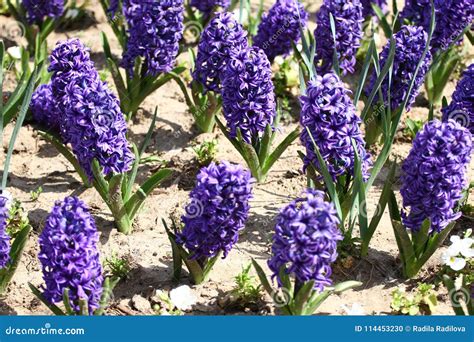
point(217, 212)
point(222, 35)
point(12, 241)
point(461, 108)
point(303, 250)
point(453, 20)
point(338, 35)
point(407, 58)
point(150, 37)
point(72, 272)
point(433, 179)
point(38, 18)
point(77, 109)
point(281, 28)
point(250, 111)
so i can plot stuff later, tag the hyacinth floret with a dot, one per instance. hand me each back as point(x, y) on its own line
point(328, 112)
point(218, 209)
point(4, 237)
point(410, 44)
point(38, 10)
point(154, 31)
point(221, 36)
point(248, 93)
point(207, 6)
point(348, 24)
point(435, 175)
point(69, 255)
point(281, 27)
point(305, 240)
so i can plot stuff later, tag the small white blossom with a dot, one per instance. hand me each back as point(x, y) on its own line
point(355, 310)
point(14, 52)
point(452, 259)
point(183, 297)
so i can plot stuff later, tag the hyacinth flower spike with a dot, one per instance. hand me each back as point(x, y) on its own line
point(222, 35)
point(36, 19)
point(150, 37)
point(12, 243)
point(81, 117)
point(70, 259)
point(454, 20)
point(304, 247)
point(433, 179)
point(217, 212)
point(249, 107)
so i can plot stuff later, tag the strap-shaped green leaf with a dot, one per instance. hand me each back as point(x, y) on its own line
point(302, 297)
point(263, 278)
point(279, 150)
point(16, 251)
point(54, 308)
point(364, 72)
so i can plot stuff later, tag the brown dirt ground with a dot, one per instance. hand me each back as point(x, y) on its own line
point(36, 163)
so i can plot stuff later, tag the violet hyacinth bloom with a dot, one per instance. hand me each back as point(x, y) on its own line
point(217, 211)
point(461, 108)
point(207, 6)
point(91, 119)
point(38, 10)
point(155, 29)
point(221, 36)
point(410, 44)
point(280, 27)
point(4, 237)
point(330, 115)
point(44, 107)
point(305, 240)
point(452, 17)
point(435, 174)
point(69, 255)
point(367, 9)
point(248, 93)
point(113, 7)
point(348, 22)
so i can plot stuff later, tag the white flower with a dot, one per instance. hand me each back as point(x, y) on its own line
point(355, 310)
point(14, 52)
point(183, 297)
point(451, 258)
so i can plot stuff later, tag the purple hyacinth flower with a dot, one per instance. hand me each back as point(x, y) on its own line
point(248, 93)
point(69, 255)
point(461, 108)
point(38, 10)
point(280, 27)
point(208, 6)
point(113, 8)
point(155, 29)
point(329, 114)
point(348, 23)
point(410, 43)
point(4, 237)
point(435, 175)
point(218, 209)
point(305, 240)
point(44, 108)
point(367, 9)
point(91, 119)
point(452, 17)
point(221, 36)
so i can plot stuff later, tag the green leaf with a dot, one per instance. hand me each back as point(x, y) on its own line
point(328, 181)
point(281, 148)
point(54, 308)
point(405, 247)
point(263, 278)
point(19, 122)
point(364, 72)
point(67, 302)
point(135, 202)
point(335, 58)
point(316, 300)
point(347, 285)
point(57, 143)
point(421, 237)
point(177, 258)
point(382, 20)
point(302, 297)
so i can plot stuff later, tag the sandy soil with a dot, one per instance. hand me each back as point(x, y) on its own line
point(36, 163)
